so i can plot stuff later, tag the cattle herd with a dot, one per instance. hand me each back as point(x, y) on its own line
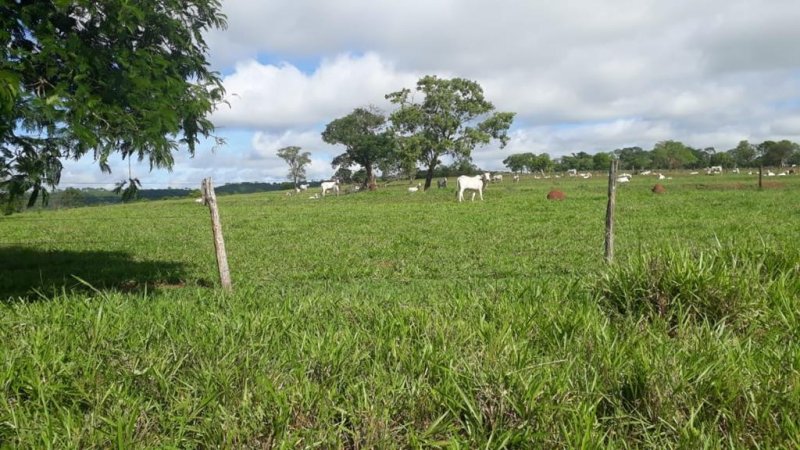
point(477, 184)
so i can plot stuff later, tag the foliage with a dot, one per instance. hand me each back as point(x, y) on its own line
point(344, 175)
point(297, 162)
point(773, 153)
point(452, 119)
point(744, 154)
point(71, 198)
point(632, 158)
point(129, 189)
point(601, 161)
point(672, 155)
point(365, 136)
point(84, 77)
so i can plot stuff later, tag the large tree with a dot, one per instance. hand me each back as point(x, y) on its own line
point(365, 137)
point(83, 77)
point(297, 162)
point(777, 153)
point(672, 155)
point(452, 118)
point(744, 154)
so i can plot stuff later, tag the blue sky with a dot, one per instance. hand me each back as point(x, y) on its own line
point(589, 75)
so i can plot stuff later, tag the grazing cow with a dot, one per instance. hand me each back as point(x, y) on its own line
point(441, 184)
point(330, 186)
point(475, 184)
point(414, 188)
point(516, 178)
point(713, 170)
point(303, 187)
point(497, 178)
point(572, 172)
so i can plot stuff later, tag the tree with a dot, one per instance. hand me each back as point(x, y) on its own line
point(517, 161)
point(634, 158)
point(82, 77)
point(601, 161)
point(777, 153)
point(452, 119)
point(297, 162)
point(344, 175)
point(541, 163)
point(672, 155)
point(71, 197)
point(365, 136)
point(744, 154)
point(723, 159)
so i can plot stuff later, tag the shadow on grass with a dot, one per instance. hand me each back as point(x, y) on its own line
point(32, 274)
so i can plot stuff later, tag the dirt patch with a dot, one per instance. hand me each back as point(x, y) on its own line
point(555, 194)
point(659, 189)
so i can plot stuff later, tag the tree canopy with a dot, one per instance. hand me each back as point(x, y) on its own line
point(297, 162)
point(365, 137)
point(83, 77)
point(452, 119)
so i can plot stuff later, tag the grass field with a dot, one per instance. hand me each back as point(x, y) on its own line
point(394, 320)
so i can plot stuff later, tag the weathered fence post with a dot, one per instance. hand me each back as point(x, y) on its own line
point(612, 202)
point(210, 199)
point(760, 174)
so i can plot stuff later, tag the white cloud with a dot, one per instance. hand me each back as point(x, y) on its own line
point(281, 96)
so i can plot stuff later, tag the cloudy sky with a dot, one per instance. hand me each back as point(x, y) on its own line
point(583, 75)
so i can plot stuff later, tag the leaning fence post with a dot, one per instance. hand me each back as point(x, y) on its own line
point(612, 202)
point(210, 199)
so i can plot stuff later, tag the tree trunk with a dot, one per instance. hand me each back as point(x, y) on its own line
point(368, 179)
point(429, 176)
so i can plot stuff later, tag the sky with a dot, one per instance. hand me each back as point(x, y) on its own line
point(581, 75)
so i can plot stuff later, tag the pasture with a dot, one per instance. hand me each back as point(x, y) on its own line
point(391, 319)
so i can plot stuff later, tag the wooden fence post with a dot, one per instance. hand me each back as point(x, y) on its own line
point(612, 202)
point(210, 199)
point(760, 174)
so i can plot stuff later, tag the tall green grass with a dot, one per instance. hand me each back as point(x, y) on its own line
point(389, 320)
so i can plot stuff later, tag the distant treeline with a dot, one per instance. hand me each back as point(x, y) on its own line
point(668, 155)
point(89, 196)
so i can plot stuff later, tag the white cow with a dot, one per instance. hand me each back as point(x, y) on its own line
point(303, 187)
point(413, 189)
point(475, 184)
point(516, 178)
point(623, 179)
point(498, 178)
point(330, 186)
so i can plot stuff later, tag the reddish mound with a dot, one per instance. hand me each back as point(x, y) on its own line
point(556, 195)
point(372, 186)
point(658, 189)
